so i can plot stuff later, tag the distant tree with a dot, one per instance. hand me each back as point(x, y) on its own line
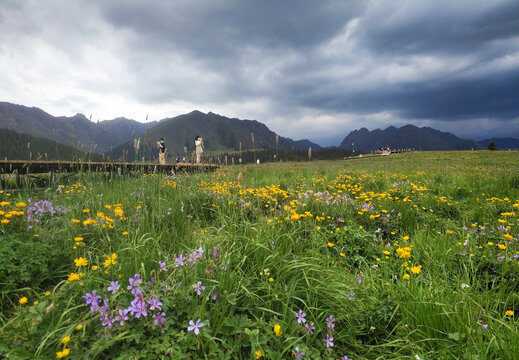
point(492, 146)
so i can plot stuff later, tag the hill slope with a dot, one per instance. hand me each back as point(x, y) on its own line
point(408, 136)
point(18, 146)
point(219, 133)
point(77, 131)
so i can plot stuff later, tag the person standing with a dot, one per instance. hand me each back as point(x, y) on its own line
point(161, 144)
point(199, 148)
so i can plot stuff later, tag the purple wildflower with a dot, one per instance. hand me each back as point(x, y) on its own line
point(114, 286)
point(106, 321)
point(93, 300)
point(154, 303)
point(298, 353)
point(199, 287)
point(163, 266)
point(159, 318)
point(310, 328)
point(351, 295)
point(300, 315)
point(328, 340)
point(123, 316)
point(138, 307)
point(195, 326)
point(345, 357)
point(330, 320)
point(179, 261)
point(214, 293)
point(134, 282)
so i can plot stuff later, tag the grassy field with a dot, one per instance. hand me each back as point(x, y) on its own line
point(408, 256)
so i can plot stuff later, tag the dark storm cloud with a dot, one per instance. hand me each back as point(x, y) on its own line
point(305, 68)
point(438, 27)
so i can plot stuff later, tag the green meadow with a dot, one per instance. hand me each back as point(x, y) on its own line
point(407, 256)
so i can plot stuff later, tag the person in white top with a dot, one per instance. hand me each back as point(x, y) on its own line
point(199, 148)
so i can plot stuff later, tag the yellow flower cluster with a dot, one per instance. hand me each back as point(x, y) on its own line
point(404, 252)
point(110, 260)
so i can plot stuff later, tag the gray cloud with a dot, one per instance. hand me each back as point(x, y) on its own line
point(313, 69)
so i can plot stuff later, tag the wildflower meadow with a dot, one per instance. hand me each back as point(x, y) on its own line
point(408, 256)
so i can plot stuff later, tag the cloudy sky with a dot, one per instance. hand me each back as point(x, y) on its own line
point(307, 69)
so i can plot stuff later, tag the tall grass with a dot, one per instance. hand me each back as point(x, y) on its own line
point(402, 257)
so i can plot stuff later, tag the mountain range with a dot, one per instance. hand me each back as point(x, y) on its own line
point(118, 137)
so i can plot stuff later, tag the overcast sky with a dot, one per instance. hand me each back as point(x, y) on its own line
point(307, 69)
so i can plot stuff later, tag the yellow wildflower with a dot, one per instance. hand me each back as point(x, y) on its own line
point(509, 313)
point(73, 277)
point(62, 354)
point(79, 327)
point(406, 277)
point(21, 204)
point(65, 340)
point(416, 269)
point(508, 237)
point(330, 244)
point(75, 221)
point(81, 261)
point(258, 354)
point(23, 301)
point(501, 246)
point(277, 330)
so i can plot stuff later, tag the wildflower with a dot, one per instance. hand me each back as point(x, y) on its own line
point(78, 238)
point(416, 269)
point(77, 221)
point(195, 327)
point(271, 279)
point(159, 318)
point(63, 353)
point(509, 313)
point(47, 293)
point(342, 254)
point(163, 266)
point(138, 306)
point(330, 244)
point(258, 354)
point(73, 277)
point(501, 246)
point(406, 277)
point(179, 261)
point(351, 295)
point(330, 321)
point(21, 204)
point(92, 299)
point(199, 287)
point(345, 357)
point(95, 267)
point(405, 238)
point(310, 328)
point(134, 282)
point(328, 340)
point(81, 261)
point(277, 330)
point(508, 237)
point(79, 327)
point(65, 340)
point(114, 286)
point(23, 300)
point(490, 243)
point(298, 353)
point(154, 303)
point(300, 315)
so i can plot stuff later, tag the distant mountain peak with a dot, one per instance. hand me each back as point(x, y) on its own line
point(405, 137)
